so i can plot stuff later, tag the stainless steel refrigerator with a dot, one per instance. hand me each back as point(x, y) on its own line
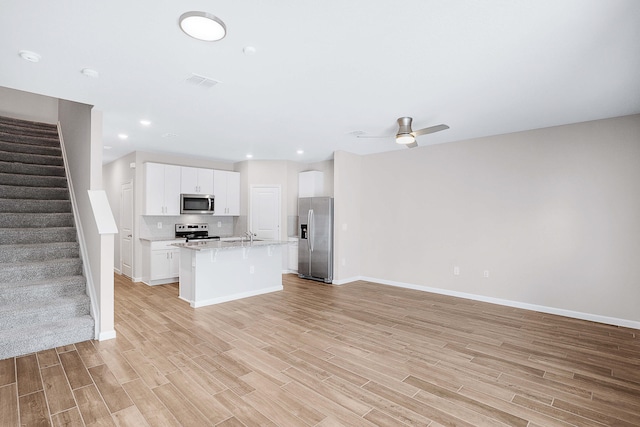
point(315, 238)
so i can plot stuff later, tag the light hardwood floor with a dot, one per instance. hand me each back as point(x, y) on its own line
point(361, 354)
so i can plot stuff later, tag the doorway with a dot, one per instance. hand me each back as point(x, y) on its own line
point(126, 229)
point(264, 212)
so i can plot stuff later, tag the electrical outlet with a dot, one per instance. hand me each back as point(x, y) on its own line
point(159, 225)
point(486, 273)
point(456, 271)
point(219, 224)
point(252, 269)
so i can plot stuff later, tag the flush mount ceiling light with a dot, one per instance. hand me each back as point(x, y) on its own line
point(145, 122)
point(202, 26)
point(405, 139)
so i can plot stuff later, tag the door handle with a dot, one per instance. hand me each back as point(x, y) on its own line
point(311, 230)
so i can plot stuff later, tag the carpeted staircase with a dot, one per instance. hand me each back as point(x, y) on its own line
point(43, 300)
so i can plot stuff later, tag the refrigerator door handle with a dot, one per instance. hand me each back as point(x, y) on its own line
point(312, 231)
point(308, 229)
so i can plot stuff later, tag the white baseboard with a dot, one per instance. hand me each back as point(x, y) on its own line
point(508, 303)
point(233, 297)
point(117, 271)
point(107, 335)
point(347, 280)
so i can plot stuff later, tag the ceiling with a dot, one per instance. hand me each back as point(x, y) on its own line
point(323, 70)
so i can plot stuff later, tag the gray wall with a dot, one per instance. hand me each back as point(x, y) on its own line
point(28, 106)
point(552, 214)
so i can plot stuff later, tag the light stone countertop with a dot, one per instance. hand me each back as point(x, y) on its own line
point(221, 244)
point(162, 239)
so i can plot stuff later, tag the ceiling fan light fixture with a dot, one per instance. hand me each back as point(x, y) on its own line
point(202, 26)
point(405, 139)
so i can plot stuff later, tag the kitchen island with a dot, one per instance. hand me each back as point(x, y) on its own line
point(212, 271)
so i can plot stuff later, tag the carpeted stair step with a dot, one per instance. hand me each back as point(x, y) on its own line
point(41, 290)
point(33, 180)
point(26, 123)
point(32, 338)
point(43, 299)
point(30, 149)
point(32, 312)
point(24, 127)
point(17, 236)
point(34, 206)
point(30, 169)
point(28, 139)
point(31, 159)
point(27, 271)
point(36, 220)
point(23, 192)
point(35, 252)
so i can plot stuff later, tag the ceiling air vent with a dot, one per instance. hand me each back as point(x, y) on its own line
point(201, 81)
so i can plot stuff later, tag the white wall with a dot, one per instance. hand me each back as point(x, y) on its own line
point(28, 106)
point(348, 217)
point(76, 125)
point(552, 214)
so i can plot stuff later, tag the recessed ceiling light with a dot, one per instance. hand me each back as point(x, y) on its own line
point(90, 72)
point(123, 136)
point(300, 151)
point(145, 122)
point(29, 56)
point(249, 50)
point(202, 26)
point(249, 156)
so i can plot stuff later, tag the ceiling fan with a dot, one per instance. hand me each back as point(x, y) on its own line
point(405, 135)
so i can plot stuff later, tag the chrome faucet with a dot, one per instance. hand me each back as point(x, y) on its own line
point(250, 235)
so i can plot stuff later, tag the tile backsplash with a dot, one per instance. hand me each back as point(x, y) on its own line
point(223, 226)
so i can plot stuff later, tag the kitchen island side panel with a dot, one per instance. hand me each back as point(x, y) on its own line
point(217, 276)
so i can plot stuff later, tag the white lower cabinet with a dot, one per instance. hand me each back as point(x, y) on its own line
point(160, 262)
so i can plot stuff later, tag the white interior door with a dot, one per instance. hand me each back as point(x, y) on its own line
point(126, 230)
point(265, 212)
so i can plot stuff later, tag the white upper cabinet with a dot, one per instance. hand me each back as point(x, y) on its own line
point(162, 189)
point(226, 189)
point(196, 180)
point(311, 184)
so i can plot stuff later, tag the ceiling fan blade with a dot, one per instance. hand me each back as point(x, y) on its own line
point(375, 136)
point(431, 129)
point(412, 145)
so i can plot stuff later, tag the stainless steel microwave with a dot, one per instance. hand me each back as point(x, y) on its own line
point(197, 204)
